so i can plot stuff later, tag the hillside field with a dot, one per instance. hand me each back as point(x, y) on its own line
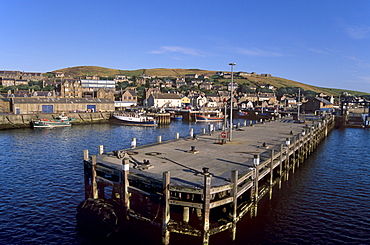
point(82, 71)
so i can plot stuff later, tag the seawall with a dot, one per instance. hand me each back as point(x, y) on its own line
point(12, 121)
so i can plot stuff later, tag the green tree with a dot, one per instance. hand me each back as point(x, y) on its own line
point(309, 94)
point(23, 87)
point(35, 87)
point(48, 88)
point(140, 91)
point(33, 83)
point(122, 85)
point(6, 89)
point(184, 88)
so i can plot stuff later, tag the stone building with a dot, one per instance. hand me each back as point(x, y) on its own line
point(29, 105)
point(71, 88)
point(21, 75)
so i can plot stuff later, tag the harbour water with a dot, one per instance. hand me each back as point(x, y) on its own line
point(326, 200)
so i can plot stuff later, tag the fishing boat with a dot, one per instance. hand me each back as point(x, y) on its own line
point(208, 118)
point(137, 119)
point(174, 116)
point(59, 121)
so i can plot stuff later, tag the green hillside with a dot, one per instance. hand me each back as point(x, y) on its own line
point(255, 80)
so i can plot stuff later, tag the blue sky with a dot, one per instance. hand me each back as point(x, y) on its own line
point(318, 42)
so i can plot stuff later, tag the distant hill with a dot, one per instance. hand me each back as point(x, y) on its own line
point(82, 71)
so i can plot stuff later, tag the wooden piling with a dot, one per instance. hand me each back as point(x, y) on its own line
point(93, 177)
point(206, 207)
point(86, 155)
point(271, 172)
point(101, 149)
point(234, 195)
point(166, 208)
point(186, 214)
point(87, 186)
point(124, 195)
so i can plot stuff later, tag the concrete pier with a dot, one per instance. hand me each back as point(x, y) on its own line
point(209, 176)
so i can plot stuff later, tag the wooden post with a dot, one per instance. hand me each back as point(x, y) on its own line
point(256, 174)
point(287, 167)
point(101, 149)
point(271, 170)
point(234, 194)
point(281, 160)
point(271, 166)
point(125, 200)
point(256, 162)
point(86, 175)
point(299, 153)
point(166, 208)
point(86, 155)
point(159, 138)
point(93, 177)
point(133, 143)
point(186, 214)
point(206, 207)
point(281, 164)
point(177, 136)
point(294, 153)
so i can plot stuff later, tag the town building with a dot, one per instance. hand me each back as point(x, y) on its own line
point(317, 103)
point(162, 100)
point(29, 105)
point(21, 75)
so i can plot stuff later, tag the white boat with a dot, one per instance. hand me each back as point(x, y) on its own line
point(135, 120)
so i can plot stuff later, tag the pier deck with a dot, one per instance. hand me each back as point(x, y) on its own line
point(186, 166)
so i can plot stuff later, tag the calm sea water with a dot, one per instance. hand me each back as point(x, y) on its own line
point(326, 201)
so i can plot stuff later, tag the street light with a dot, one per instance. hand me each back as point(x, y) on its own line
point(231, 100)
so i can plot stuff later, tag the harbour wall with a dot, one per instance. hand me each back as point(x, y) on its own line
point(12, 121)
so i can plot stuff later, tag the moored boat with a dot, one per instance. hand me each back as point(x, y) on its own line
point(59, 121)
point(176, 117)
point(204, 118)
point(135, 119)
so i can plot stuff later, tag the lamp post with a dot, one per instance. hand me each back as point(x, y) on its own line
point(231, 100)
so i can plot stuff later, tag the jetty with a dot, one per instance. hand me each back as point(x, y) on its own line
point(202, 184)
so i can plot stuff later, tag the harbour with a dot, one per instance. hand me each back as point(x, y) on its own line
point(28, 202)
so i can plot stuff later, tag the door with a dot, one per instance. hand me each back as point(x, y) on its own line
point(92, 108)
point(47, 109)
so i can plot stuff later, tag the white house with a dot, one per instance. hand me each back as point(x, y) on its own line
point(160, 100)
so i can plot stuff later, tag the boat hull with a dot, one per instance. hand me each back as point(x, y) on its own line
point(176, 118)
point(135, 121)
point(50, 124)
point(200, 118)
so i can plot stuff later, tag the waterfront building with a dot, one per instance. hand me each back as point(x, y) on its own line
point(161, 100)
point(27, 105)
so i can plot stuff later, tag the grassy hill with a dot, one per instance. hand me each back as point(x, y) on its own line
point(81, 71)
